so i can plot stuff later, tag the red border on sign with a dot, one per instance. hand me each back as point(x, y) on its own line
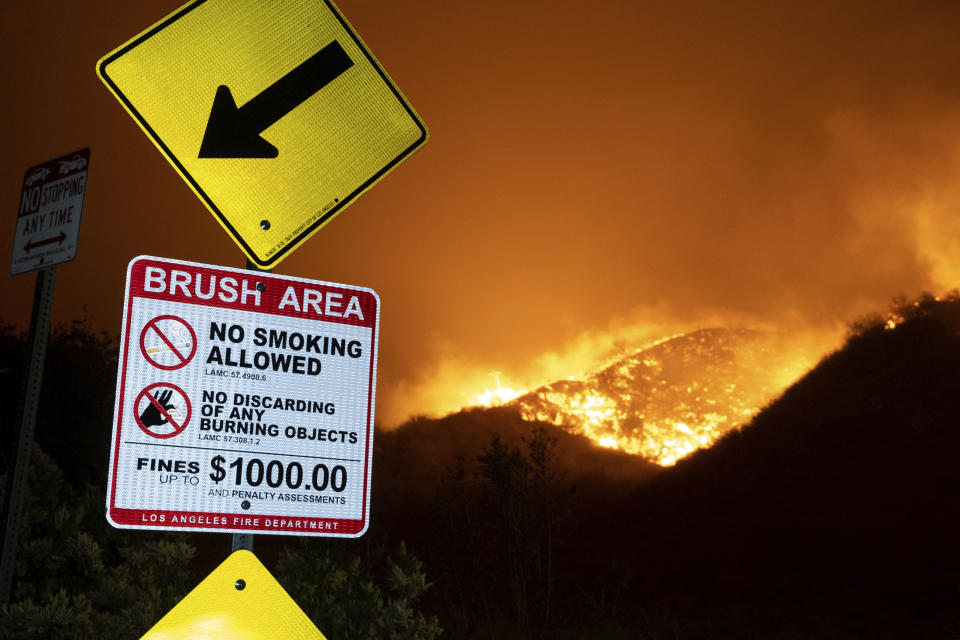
point(234, 289)
point(184, 361)
point(211, 520)
point(369, 303)
point(163, 412)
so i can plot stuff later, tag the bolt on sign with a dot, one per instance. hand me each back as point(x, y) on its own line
point(244, 402)
point(240, 600)
point(48, 222)
point(273, 111)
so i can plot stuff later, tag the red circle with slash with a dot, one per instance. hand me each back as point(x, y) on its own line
point(178, 427)
point(181, 356)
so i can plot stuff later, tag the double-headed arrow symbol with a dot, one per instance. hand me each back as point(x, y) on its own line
point(234, 132)
point(30, 246)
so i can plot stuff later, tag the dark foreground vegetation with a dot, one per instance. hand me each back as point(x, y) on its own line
point(833, 515)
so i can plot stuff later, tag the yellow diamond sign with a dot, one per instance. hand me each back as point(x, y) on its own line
point(240, 600)
point(273, 111)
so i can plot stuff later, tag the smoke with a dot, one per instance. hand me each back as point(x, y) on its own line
point(692, 165)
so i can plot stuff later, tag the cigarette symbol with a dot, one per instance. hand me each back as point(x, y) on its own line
point(162, 348)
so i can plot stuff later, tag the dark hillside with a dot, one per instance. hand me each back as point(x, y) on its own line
point(834, 514)
point(413, 461)
point(497, 507)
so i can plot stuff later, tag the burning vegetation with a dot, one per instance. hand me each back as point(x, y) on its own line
point(668, 399)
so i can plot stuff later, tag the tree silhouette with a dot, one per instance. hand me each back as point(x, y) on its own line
point(503, 507)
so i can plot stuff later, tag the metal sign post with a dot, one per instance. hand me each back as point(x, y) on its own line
point(244, 541)
point(27, 419)
point(46, 234)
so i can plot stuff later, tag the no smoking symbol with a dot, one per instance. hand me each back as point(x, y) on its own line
point(162, 410)
point(168, 342)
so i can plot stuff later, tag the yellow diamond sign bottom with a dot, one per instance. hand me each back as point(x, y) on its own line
point(240, 600)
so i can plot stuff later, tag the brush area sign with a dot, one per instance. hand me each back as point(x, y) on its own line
point(244, 402)
point(273, 111)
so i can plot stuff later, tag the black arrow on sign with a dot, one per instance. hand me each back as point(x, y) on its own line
point(234, 132)
point(30, 246)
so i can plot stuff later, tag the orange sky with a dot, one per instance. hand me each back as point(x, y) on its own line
point(592, 168)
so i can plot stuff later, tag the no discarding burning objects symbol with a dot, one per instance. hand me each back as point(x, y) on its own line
point(260, 418)
point(162, 410)
point(273, 111)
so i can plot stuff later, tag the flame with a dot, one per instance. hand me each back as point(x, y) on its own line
point(664, 442)
point(669, 399)
point(895, 318)
point(499, 396)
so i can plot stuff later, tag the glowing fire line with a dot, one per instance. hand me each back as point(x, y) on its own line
point(683, 417)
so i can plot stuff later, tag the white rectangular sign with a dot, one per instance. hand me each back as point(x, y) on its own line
point(244, 402)
point(48, 222)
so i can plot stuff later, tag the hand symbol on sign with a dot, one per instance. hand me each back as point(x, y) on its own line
point(151, 416)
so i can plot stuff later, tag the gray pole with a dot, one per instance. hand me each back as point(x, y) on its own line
point(242, 541)
point(27, 419)
point(245, 540)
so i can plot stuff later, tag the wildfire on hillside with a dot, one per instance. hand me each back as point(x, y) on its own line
point(669, 399)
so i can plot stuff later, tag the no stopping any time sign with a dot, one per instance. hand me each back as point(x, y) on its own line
point(244, 403)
